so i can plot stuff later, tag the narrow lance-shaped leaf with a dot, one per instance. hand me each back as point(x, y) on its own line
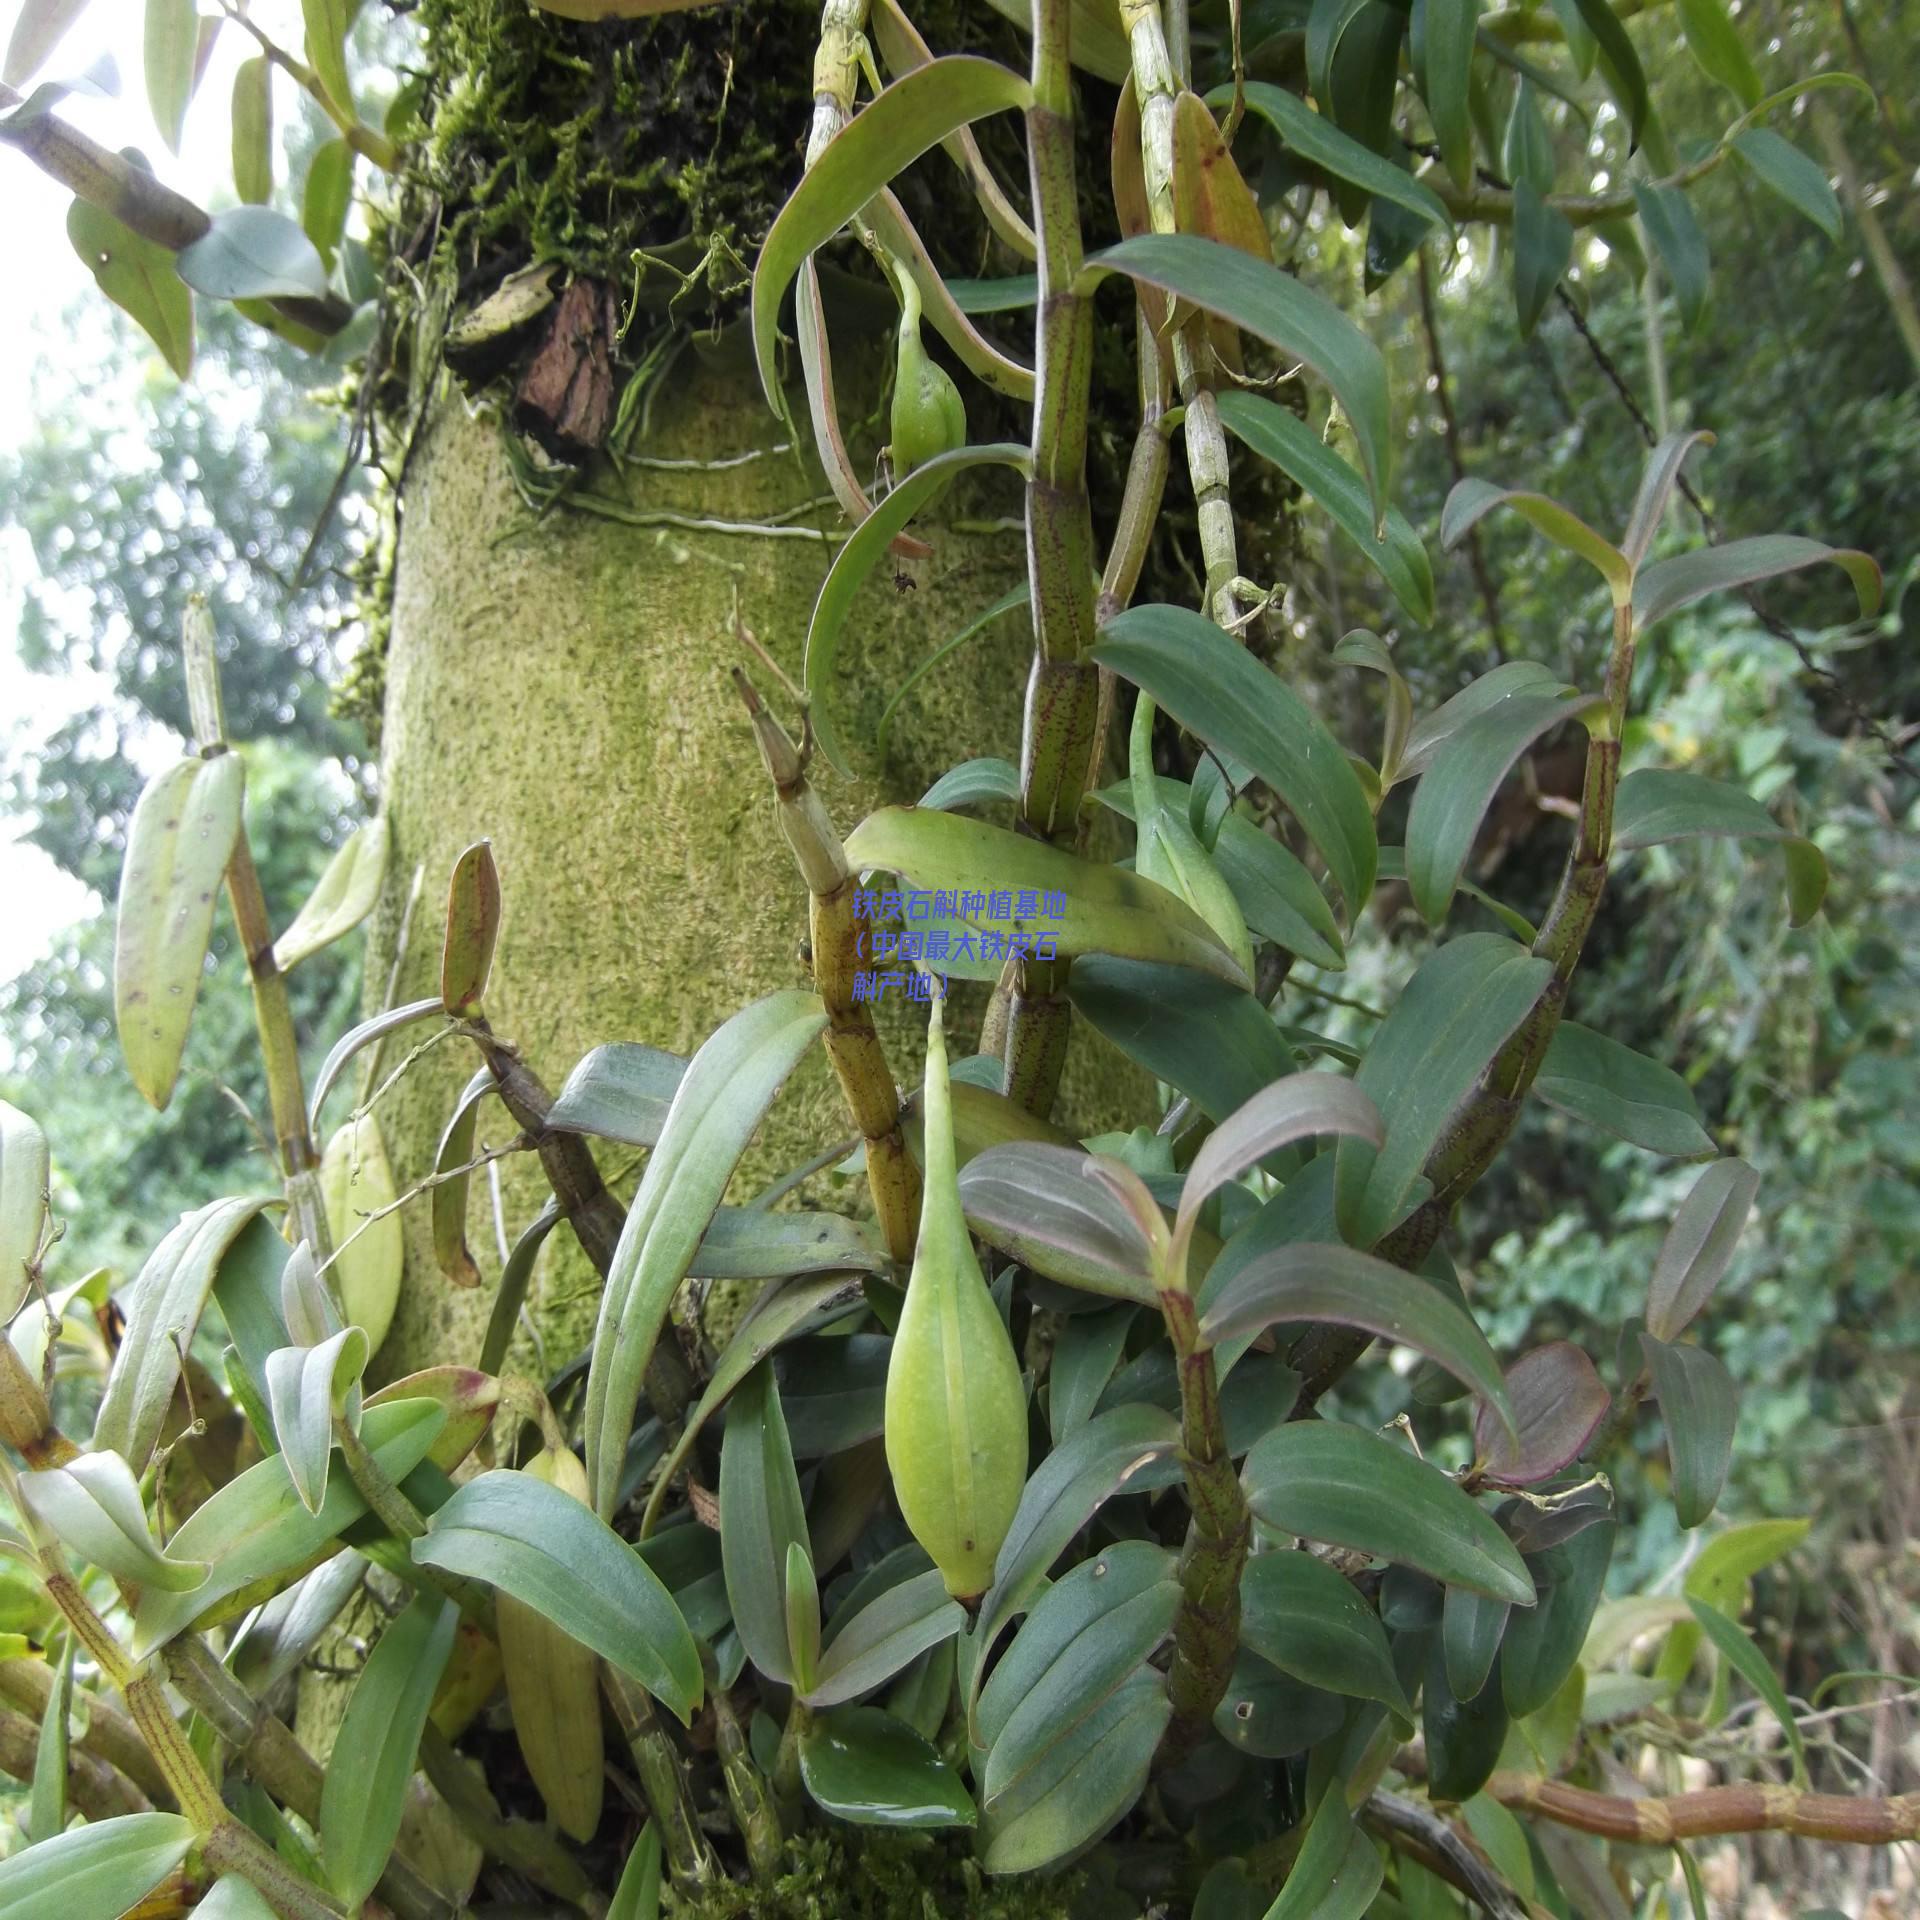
point(1472, 500)
point(802, 1596)
point(1668, 585)
point(358, 1190)
point(781, 1314)
point(327, 22)
point(138, 275)
point(890, 1631)
point(1308, 1620)
point(728, 1087)
point(761, 1517)
point(1699, 1246)
point(1542, 252)
point(1715, 44)
point(92, 1505)
point(343, 896)
point(1668, 218)
point(857, 560)
point(1338, 1870)
point(96, 1871)
point(47, 1804)
point(1106, 910)
point(1282, 437)
point(956, 1411)
point(1655, 805)
point(1318, 141)
point(1450, 28)
point(473, 924)
point(1699, 1405)
point(1219, 692)
point(1264, 301)
point(38, 29)
point(172, 35)
point(252, 119)
point(1751, 1664)
point(912, 115)
point(255, 1528)
point(24, 1174)
point(178, 842)
point(368, 1033)
point(1456, 1012)
point(306, 1386)
point(1800, 182)
point(1597, 1080)
point(449, 1201)
point(1621, 64)
point(622, 1091)
point(364, 1793)
point(1346, 1487)
point(168, 1299)
point(552, 1553)
point(1459, 786)
point(1657, 482)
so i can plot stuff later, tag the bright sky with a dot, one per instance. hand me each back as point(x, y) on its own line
point(44, 279)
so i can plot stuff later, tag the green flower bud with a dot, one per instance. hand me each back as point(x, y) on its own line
point(956, 1405)
point(929, 417)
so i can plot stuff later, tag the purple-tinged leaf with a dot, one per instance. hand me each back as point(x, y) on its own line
point(1668, 585)
point(1557, 1400)
point(473, 924)
point(1051, 1209)
point(1353, 1289)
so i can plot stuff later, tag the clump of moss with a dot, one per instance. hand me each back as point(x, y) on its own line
point(844, 1874)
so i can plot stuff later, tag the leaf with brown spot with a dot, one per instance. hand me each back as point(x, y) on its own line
point(473, 924)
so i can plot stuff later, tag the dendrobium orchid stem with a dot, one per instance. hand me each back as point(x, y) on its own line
point(853, 1043)
point(1060, 734)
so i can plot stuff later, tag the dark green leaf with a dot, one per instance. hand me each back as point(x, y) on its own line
point(1463, 1737)
point(1716, 45)
point(1338, 1870)
point(1454, 1015)
point(1542, 251)
point(253, 253)
point(1300, 324)
point(1470, 1630)
point(1450, 26)
point(1682, 247)
point(1301, 1616)
point(1751, 1664)
point(1625, 76)
point(1655, 805)
point(1609, 1086)
point(761, 1516)
point(1273, 1716)
point(1284, 438)
point(1472, 500)
point(1219, 692)
point(888, 1633)
point(1467, 771)
point(1086, 1782)
point(1668, 585)
point(1543, 1646)
point(1216, 1043)
point(1318, 141)
point(1699, 1245)
point(1800, 182)
point(47, 1803)
point(1527, 150)
point(863, 1765)
point(1085, 1353)
point(1343, 1486)
point(365, 1790)
point(1699, 1405)
point(1278, 898)
point(533, 1541)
